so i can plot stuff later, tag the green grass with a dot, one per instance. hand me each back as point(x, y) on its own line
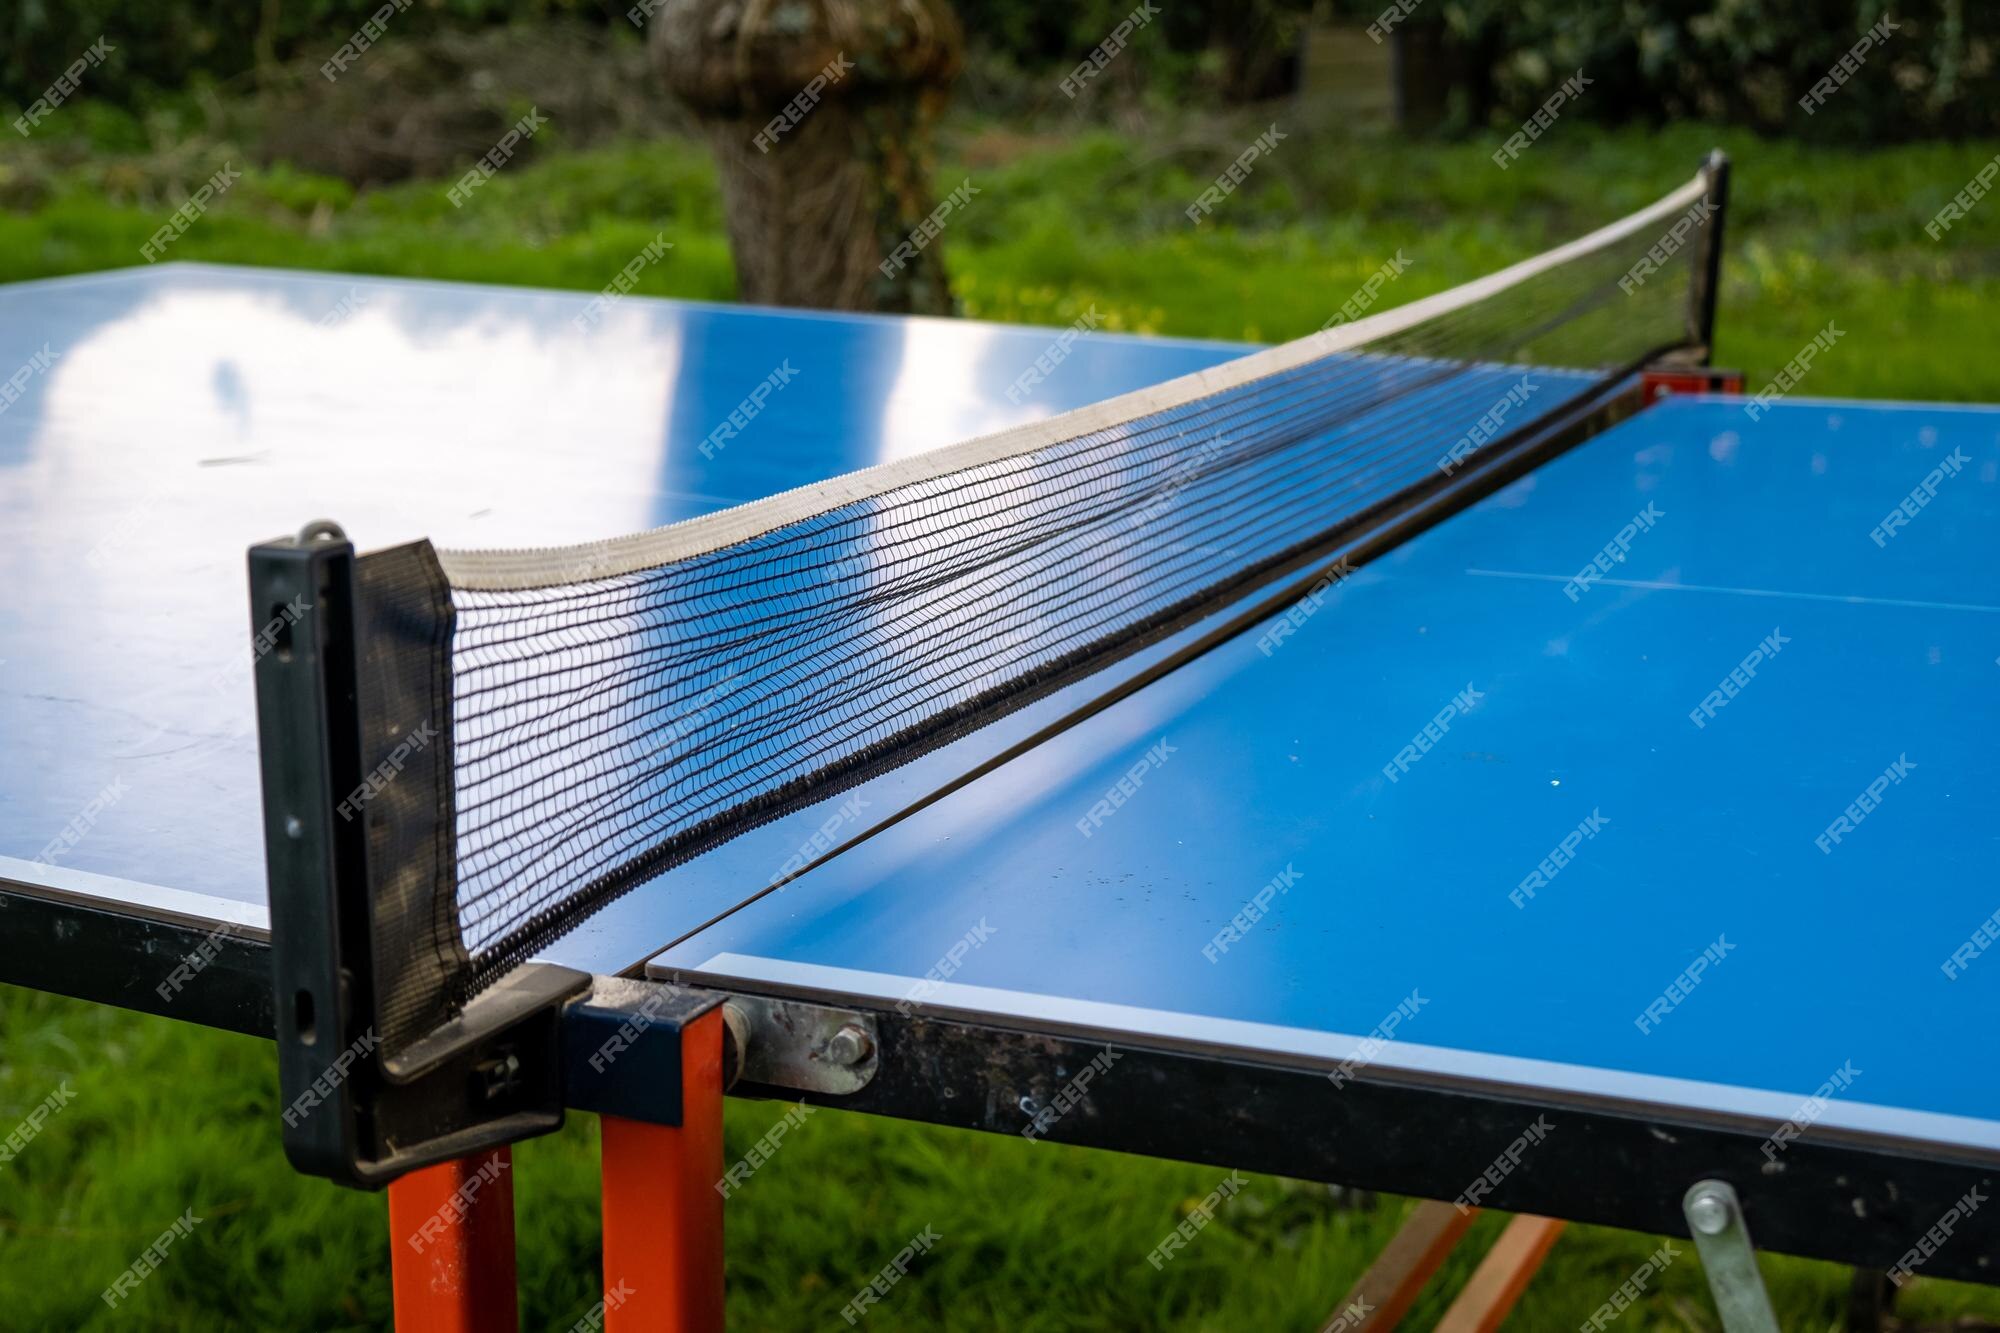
point(1035, 1237)
point(1095, 219)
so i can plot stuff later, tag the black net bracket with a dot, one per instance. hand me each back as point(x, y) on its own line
point(1705, 289)
point(380, 1070)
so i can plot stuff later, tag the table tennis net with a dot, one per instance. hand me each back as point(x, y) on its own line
point(622, 707)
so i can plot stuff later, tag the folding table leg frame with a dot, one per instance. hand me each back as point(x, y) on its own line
point(1715, 1218)
point(1392, 1283)
point(453, 1224)
point(1502, 1275)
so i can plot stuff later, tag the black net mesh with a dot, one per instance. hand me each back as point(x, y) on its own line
point(607, 729)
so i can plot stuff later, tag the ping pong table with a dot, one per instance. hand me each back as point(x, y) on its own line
point(1644, 805)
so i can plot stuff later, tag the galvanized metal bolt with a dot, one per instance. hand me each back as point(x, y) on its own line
point(1709, 1213)
point(849, 1046)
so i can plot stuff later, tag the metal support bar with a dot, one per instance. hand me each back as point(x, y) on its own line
point(1845, 1199)
point(1715, 1219)
point(108, 952)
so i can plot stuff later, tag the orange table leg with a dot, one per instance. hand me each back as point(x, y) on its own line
point(1392, 1283)
point(452, 1228)
point(1501, 1276)
point(662, 1210)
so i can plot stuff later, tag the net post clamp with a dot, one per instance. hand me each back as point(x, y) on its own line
point(372, 1086)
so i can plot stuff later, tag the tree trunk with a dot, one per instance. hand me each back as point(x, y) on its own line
point(811, 222)
point(816, 208)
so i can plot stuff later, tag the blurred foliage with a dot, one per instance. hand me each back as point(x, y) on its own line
point(1745, 62)
point(414, 105)
point(428, 105)
point(166, 45)
point(1237, 50)
point(1740, 62)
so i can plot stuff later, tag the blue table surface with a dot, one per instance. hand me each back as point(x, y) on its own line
point(173, 416)
point(1829, 960)
point(191, 410)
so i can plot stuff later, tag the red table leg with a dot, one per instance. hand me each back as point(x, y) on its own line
point(662, 1210)
point(452, 1228)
